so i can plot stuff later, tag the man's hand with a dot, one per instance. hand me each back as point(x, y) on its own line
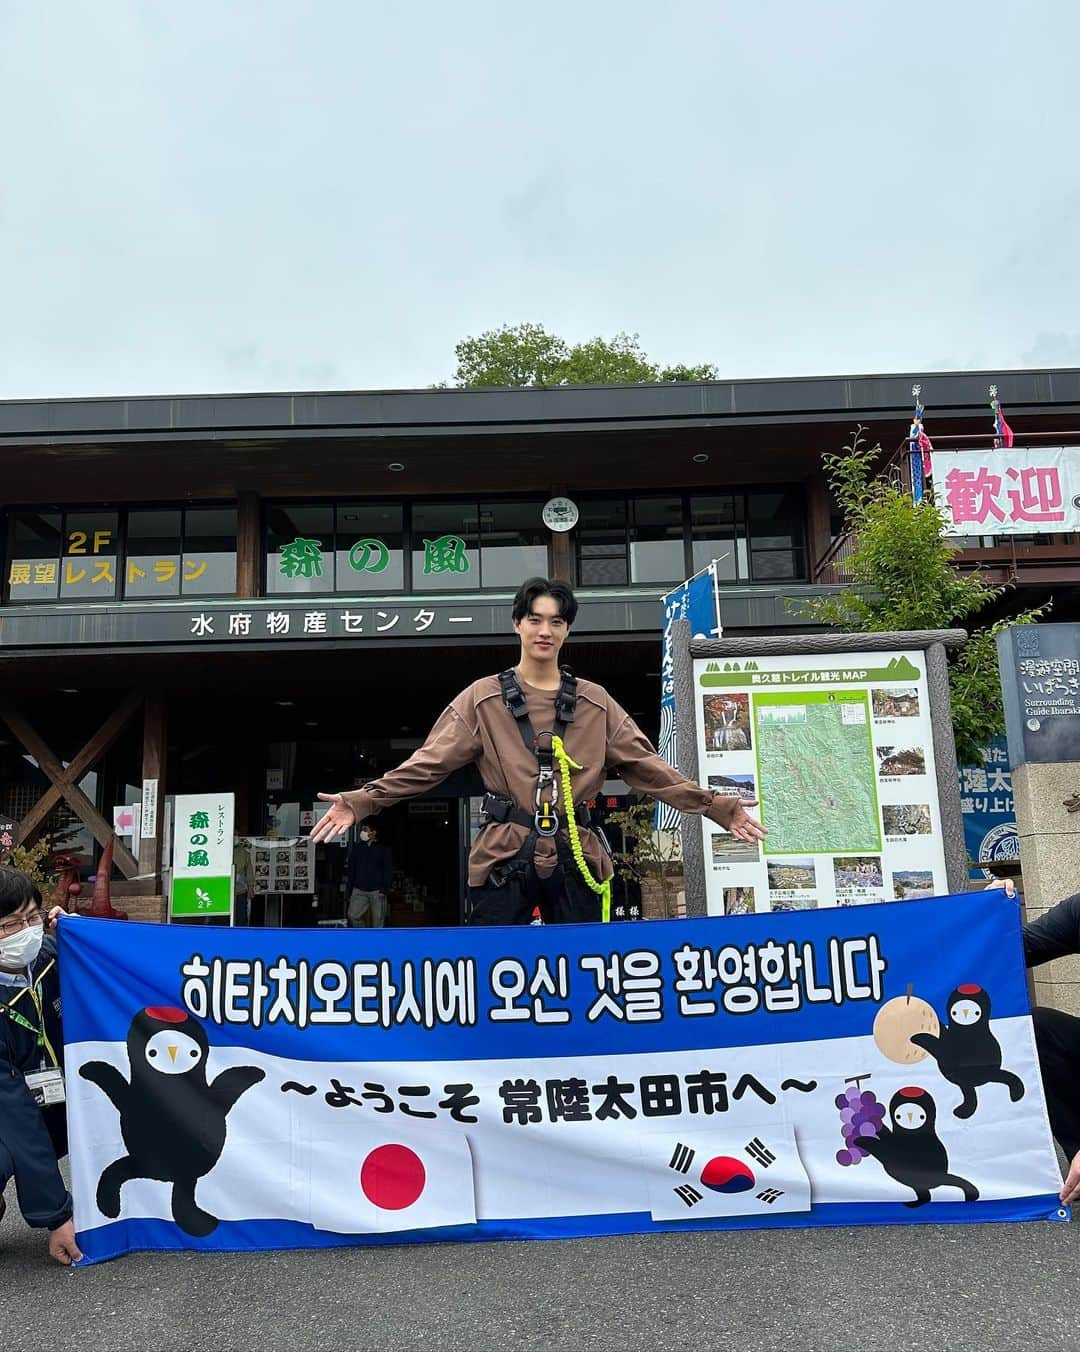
point(336, 822)
point(1006, 885)
point(54, 915)
point(1070, 1191)
point(62, 1244)
point(744, 827)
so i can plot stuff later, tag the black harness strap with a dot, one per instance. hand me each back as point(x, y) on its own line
point(565, 708)
point(544, 822)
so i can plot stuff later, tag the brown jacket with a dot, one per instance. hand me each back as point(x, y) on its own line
point(478, 728)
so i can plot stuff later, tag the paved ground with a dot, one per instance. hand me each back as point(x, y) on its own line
point(969, 1287)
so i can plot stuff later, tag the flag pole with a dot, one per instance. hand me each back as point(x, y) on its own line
point(920, 448)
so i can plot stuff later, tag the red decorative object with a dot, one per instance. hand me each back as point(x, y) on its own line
point(101, 903)
point(68, 886)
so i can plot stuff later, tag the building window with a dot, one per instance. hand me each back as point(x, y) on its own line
point(657, 544)
point(34, 555)
point(777, 536)
point(154, 553)
point(718, 531)
point(445, 547)
point(756, 536)
point(361, 547)
point(513, 544)
point(299, 549)
point(601, 543)
point(91, 550)
point(370, 547)
point(208, 567)
point(139, 554)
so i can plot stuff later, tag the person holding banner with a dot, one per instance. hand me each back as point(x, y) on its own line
point(1057, 1034)
point(543, 742)
point(33, 1131)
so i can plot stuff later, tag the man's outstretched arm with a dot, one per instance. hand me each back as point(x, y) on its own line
point(633, 758)
point(450, 745)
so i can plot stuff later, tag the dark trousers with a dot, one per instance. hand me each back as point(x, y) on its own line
point(563, 899)
point(1057, 1036)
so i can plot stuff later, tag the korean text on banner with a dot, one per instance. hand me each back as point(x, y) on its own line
point(243, 1089)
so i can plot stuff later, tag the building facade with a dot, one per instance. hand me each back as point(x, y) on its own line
point(275, 595)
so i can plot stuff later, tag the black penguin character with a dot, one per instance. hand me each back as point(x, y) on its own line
point(172, 1120)
point(909, 1150)
point(966, 1051)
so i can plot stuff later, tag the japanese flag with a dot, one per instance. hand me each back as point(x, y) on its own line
point(372, 1179)
point(710, 1173)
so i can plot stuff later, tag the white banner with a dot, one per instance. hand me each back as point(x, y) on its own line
point(1009, 492)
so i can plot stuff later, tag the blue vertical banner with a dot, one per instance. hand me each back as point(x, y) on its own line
point(986, 802)
point(698, 601)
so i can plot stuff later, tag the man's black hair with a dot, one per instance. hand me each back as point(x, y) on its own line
point(534, 587)
point(16, 889)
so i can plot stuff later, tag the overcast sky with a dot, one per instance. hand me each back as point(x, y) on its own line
point(221, 195)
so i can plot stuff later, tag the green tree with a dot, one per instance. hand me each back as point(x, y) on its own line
point(649, 857)
point(904, 576)
point(526, 354)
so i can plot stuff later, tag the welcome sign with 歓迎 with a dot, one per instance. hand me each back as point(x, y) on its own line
point(1009, 490)
point(243, 1089)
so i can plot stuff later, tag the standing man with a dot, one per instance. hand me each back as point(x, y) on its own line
point(33, 1131)
point(1057, 1034)
point(371, 866)
point(512, 727)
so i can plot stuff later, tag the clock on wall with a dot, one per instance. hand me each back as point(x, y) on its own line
point(560, 514)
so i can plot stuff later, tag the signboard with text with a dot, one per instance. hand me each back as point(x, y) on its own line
point(1010, 491)
point(202, 863)
point(1040, 687)
point(838, 751)
point(986, 802)
point(393, 1086)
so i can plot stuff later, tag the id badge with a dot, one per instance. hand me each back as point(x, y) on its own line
point(47, 1086)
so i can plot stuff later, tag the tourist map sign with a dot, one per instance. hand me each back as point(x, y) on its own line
point(837, 750)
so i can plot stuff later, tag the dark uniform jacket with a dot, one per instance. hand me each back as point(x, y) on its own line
point(32, 1139)
point(1055, 934)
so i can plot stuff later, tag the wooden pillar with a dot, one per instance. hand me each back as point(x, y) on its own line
point(819, 514)
point(155, 732)
point(248, 545)
point(561, 559)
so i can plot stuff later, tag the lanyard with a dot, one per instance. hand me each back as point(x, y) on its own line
point(44, 1045)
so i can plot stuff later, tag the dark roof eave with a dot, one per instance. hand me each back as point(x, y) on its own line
point(564, 408)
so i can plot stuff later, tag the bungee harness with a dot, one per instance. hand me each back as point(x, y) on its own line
point(553, 776)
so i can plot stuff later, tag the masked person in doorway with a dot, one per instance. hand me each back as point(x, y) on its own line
point(371, 866)
point(531, 731)
point(33, 1131)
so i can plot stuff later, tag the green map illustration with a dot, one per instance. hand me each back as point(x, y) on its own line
point(816, 777)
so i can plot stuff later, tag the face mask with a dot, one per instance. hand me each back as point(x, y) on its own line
point(365, 836)
point(20, 950)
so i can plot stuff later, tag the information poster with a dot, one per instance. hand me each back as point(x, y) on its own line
point(281, 864)
point(838, 752)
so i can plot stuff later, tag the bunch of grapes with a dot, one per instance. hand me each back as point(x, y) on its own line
point(860, 1115)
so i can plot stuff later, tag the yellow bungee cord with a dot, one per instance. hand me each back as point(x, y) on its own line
point(603, 889)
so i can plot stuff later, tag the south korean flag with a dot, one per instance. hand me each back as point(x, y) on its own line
point(713, 1174)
